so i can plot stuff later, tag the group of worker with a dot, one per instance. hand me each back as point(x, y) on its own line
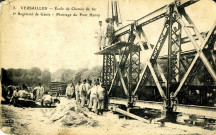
point(11, 93)
point(88, 94)
point(104, 36)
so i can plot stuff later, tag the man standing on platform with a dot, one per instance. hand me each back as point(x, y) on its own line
point(109, 32)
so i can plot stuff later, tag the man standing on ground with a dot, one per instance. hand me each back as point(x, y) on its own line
point(70, 90)
point(83, 93)
point(39, 91)
point(77, 89)
point(100, 98)
point(88, 87)
point(93, 105)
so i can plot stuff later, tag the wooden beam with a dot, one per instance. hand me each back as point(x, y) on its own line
point(130, 115)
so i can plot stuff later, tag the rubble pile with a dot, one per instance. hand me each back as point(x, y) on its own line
point(70, 114)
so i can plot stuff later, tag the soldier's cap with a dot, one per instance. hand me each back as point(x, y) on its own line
point(108, 20)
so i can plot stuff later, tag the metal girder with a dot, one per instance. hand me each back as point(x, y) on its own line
point(142, 78)
point(161, 74)
point(186, 39)
point(156, 80)
point(152, 58)
point(157, 14)
point(153, 16)
point(108, 69)
point(172, 29)
point(135, 67)
point(199, 49)
point(120, 75)
point(174, 48)
point(121, 65)
point(157, 48)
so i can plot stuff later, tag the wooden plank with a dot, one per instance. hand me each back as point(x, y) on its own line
point(113, 47)
point(130, 115)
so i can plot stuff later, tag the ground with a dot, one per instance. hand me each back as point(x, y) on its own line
point(68, 118)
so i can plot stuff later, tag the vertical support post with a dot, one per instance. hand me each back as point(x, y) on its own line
point(178, 53)
point(169, 69)
point(130, 80)
point(103, 70)
point(108, 69)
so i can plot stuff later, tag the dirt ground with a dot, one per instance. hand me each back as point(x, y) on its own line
point(68, 118)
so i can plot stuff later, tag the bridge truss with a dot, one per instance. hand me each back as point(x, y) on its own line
point(122, 59)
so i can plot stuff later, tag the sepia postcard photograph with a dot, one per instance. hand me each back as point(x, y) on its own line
point(108, 67)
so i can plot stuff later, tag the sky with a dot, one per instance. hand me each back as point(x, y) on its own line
point(68, 42)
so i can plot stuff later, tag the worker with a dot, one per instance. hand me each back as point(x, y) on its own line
point(77, 89)
point(10, 90)
point(14, 95)
point(46, 99)
point(93, 105)
point(83, 93)
point(100, 98)
point(100, 36)
point(109, 32)
point(70, 90)
point(88, 87)
point(24, 87)
point(93, 98)
point(39, 92)
point(174, 101)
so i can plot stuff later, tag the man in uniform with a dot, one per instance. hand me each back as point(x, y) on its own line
point(100, 36)
point(46, 99)
point(77, 89)
point(83, 93)
point(70, 90)
point(109, 32)
point(39, 91)
point(88, 87)
point(100, 98)
point(93, 98)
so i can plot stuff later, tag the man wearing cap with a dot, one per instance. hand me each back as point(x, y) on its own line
point(83, 93)
point(100, 36)
point(109, 32)
point(70, 90)
point(77, 89)
point(100, 98)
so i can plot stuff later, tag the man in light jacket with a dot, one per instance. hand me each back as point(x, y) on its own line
point(70, 91)
point(77, 89)
point(83, 93)
point(100, 99)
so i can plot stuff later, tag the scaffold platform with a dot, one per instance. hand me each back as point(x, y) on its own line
point(114, 48)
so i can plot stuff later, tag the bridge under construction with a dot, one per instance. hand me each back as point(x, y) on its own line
point(173, 75)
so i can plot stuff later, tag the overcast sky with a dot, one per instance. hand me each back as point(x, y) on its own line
point(68, 42)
